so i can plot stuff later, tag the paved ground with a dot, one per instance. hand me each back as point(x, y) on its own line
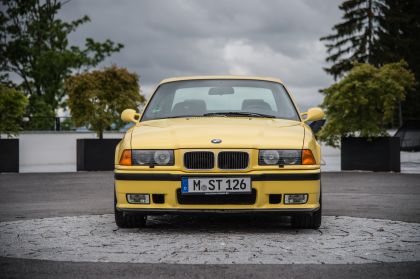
point(359, 194)
point(34, 269)
point(369, 195)
point(269, 240)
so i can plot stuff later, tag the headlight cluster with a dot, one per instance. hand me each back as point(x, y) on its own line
point(286, 157)
point(153, 157)
point(280, 157)
point(147, 157)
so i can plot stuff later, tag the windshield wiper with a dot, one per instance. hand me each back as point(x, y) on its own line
point(181, 116)
point(239, 113)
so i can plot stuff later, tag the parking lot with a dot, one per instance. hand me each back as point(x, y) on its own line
point(62, 225)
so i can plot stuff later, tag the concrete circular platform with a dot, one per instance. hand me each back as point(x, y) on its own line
point(95, 238)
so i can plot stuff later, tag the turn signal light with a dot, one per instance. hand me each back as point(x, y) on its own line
point(308, 157)
point(125, 159)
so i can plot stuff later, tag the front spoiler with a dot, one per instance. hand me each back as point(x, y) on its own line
point(175, 211)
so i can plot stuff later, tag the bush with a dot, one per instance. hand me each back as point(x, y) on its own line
point(96, 99)
point(41, 115)
point(364, 101)
point(12, 108)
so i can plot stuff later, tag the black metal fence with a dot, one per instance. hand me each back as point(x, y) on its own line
point(63, 124)
point(48, 124)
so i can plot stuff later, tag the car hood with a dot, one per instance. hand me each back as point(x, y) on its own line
point(197, 132)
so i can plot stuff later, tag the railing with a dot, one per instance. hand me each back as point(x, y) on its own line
point(47, 124)
point(41, 123)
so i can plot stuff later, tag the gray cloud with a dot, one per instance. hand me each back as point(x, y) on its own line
point(165, 38)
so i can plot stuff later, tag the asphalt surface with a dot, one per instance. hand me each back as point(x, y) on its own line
point(20, 268)
point(370, 195)
point(358, 194)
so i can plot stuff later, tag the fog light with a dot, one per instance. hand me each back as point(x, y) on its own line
point(295, 198)
point(138, 198)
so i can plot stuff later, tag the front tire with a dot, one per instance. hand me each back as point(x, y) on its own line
point(309, 221)
point(128, 220)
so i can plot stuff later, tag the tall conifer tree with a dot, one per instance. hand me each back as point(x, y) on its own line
point(399, 38)
point(353, 39)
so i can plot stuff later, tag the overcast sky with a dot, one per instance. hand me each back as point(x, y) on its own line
point(165, 38)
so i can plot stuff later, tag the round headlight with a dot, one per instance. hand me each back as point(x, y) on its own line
point(162, 157)
point(270, 157)
point(290, 157)
point(143, 157)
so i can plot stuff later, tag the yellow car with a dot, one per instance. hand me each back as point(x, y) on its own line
point(219, 144)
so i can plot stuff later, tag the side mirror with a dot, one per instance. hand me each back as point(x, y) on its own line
point(313, 114)
point(130, 115)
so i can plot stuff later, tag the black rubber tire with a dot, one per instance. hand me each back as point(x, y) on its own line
point(128, 220)
point(309, 221)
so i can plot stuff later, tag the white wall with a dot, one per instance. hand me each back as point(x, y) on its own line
point(51, 152)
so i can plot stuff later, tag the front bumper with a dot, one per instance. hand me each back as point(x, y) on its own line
point(264, 184)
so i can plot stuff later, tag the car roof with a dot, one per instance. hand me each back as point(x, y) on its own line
point(172, 79)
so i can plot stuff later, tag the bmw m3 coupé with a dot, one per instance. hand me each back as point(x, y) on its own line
point(222, 144)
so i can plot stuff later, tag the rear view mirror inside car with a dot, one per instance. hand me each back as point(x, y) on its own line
point(223, 90)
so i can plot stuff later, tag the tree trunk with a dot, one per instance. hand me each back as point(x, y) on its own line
point(370, 32)
point(400, 118)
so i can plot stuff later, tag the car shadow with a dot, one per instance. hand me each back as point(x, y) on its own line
point(217, 223)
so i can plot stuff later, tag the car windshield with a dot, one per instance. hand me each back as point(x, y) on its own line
point(204, 98)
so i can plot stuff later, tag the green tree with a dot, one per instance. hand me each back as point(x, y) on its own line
point(12, 108)
point(364, 101)
point(34, 45)
point(399, 38)
point(353, 39)
point(96, 99)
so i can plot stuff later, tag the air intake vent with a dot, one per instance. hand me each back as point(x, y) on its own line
point(248, 198)
point(232, 160)
point(199, 160)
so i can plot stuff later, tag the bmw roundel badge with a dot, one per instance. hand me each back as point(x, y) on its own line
point(215, 141)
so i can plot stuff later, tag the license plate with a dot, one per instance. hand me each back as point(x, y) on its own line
point(217, 185)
